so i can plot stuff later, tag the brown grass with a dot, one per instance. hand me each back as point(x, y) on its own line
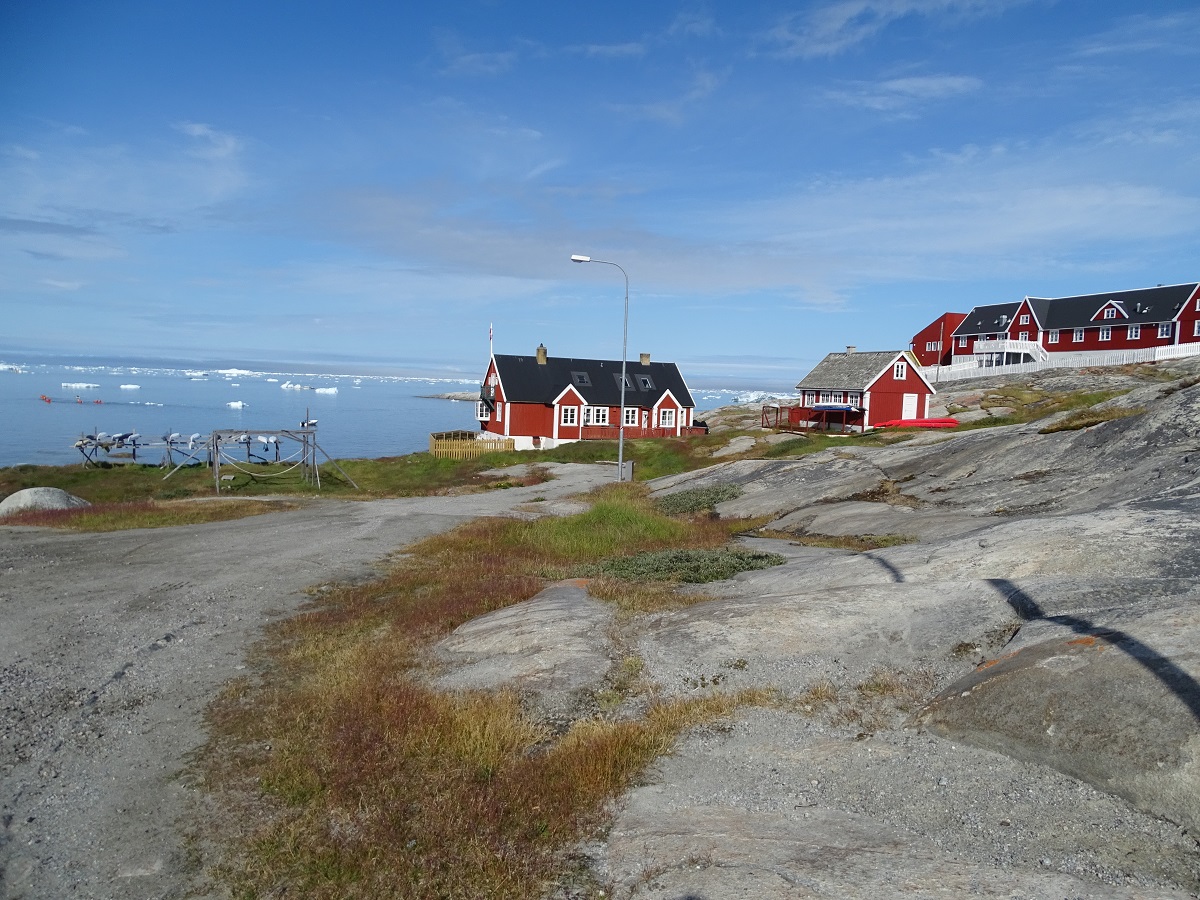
point(1086, 418)
point(344, 774)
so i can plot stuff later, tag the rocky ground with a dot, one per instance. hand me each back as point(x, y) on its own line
point(1004, 706)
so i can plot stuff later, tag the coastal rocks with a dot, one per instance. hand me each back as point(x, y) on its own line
point(39, 498)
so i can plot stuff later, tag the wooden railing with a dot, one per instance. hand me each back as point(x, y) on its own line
point(632, 433)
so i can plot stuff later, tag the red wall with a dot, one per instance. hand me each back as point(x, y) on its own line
point(887, 395)
point(1119, 341)
point(940, 329)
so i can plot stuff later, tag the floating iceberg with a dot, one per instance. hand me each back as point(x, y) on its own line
point(131, 387)
point(331, 390)
point(237, 404)
point(79, 385)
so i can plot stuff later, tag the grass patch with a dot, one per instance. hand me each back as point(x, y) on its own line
point(701, 499)
point(345, 775)
point(688, 566)
point(144, 514)
point(1088, 417)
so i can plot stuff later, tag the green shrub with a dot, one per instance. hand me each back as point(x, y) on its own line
point(687, 566)
point(701, 499)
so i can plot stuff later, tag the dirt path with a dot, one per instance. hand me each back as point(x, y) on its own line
point(112, 645)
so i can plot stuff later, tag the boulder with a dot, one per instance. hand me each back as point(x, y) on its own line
point(39, 498)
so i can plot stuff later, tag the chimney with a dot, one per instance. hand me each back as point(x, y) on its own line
point(645, 359)
point(541, 354)
point(850, 348)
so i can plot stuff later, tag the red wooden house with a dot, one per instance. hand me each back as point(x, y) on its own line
point(933, 344)
point(1039, 327)
point(542, 401)
point(854, 391)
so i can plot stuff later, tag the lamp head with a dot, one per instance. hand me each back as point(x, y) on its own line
point(577, 258)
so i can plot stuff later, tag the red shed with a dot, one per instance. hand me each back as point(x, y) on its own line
point(854, 391)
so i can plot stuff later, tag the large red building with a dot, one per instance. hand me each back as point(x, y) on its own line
point(542, 401)
point(1037, 327)
point(854, 391)
point(933, 344)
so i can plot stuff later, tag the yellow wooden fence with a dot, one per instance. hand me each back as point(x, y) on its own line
point(463, 445)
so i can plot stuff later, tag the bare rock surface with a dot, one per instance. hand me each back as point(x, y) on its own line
point(39, 498)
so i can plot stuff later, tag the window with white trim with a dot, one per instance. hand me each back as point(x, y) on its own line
point(499, 412)
point(1078, 336)
point(666, 418)
point(1052, 337)
point(1025, 319)
point(1196, 328)
point(1110, 313)
point(1023, 336)
point(631, 415)
point(810, 397)
point(1133, 332)
point(900, 370)
point(482, 413)
point(1106, 333)
point(1164, 329)
point(854, 398)
point(595, 415)
point(828, 397)
point(932, 346)
point(569, 415)
point(962, 341)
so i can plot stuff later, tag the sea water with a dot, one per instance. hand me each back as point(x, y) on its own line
point(46, 407)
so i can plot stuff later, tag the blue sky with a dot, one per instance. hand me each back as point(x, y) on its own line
point(371, 184)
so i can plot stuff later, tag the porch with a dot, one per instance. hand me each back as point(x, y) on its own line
point(820, 417)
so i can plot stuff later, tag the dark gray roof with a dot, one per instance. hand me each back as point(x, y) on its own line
point(987, 319)
point(597, 380)
point(1142, 306)
point(848, 371)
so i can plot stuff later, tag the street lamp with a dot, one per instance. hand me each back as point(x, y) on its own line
point(624, 347)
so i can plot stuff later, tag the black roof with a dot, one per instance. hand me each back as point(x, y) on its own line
point(598, 381)
point(987, 319)
point(1141, 306)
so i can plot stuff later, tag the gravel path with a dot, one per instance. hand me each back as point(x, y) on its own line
point(112, 645)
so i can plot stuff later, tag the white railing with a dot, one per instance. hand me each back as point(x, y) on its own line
point(1033, 348)
point(976, 369)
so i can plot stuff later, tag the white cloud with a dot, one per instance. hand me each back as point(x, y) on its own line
point(674, 111)
point(898, 94)
point(836, 27)
point(62, 285)
point(613, 51)
point(216, 144)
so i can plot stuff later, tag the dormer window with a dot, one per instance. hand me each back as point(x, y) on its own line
point(1110, 313)
point(581, 379)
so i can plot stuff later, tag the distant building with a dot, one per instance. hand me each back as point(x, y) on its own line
point(854, 391)
point(542, 401)
point(933, 344)
point(1038, 328)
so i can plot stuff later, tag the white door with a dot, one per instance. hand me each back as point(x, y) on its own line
point(910, 407)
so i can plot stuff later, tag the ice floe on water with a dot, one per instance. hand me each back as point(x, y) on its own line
point(131, 387)
point(330, 390)
point(79, 385)
point(237, 404)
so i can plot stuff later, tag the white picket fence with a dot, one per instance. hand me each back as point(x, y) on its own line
point(973, 369)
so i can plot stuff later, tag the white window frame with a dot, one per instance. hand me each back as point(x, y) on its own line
point(827, 397)
point(810, 397)
point(1164, 329)
point(1133, 332)
point(1106, 332)
point(931, 347)
point(482, 413)
point(1023, 336)
point(1110, 313)
point(666, 418)
point(1077, 336)
point(1196, 328)
point(962, 341)
point(598, 415)
point(499, 411)
point(631, 416)
point(900, 370)
point(1025, 319)
point(1052, 336)
point(854, 398)
point(569, 415)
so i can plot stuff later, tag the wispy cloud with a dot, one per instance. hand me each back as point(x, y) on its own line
point(62, 285)
point(694, 23)
point(674, 111)
point(833, 28)
point(459, 61)
point(1175, 33)
point(212, 144)
point(900, 94)
point(611, 51)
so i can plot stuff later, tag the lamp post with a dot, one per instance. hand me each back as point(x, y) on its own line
point(624, 347)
